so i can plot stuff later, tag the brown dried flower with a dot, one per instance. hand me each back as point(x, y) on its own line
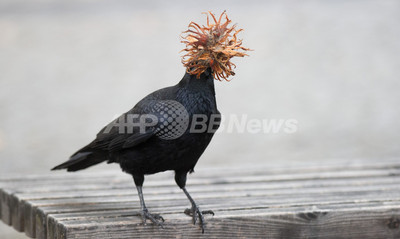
point(212, 46)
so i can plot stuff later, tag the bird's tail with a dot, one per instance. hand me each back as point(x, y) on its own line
point(82, 159)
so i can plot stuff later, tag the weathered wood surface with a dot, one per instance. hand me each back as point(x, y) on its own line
point(347, 200)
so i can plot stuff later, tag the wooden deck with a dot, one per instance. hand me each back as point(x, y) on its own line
point(348, 200)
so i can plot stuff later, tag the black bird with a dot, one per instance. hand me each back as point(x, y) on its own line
point(170, 128)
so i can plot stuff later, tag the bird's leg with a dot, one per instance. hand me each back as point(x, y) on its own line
point(195, 211)
point(155, 218)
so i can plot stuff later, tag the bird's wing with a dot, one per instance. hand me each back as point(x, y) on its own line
point(120, 135)
point(138, 139)
point(124, 141)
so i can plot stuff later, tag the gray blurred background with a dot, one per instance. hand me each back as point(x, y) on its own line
point(68, 67)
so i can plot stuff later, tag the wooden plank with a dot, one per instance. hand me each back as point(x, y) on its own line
point(76, 184)
point(379, 192)
point(301, 224)
point(112, 192)
point(102, 188)
point(104, 204)
point(109, 218)
point(61, 204)
point(306, 199)
point(6, 209)
point(165, 207)
point(221, 194)
point(215, 171)
point(17, 219)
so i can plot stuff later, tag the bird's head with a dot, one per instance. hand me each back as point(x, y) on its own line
point(212, 46)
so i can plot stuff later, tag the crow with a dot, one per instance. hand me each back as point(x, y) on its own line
point(170, 128)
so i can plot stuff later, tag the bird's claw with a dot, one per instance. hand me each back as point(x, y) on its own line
point(208, 212)
point(195, 213)
point(154, 218)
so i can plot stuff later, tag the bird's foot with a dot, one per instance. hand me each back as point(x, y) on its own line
point(195, 213)
point(155, 218)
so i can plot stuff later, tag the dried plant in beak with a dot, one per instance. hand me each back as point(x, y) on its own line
point(212, 46)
